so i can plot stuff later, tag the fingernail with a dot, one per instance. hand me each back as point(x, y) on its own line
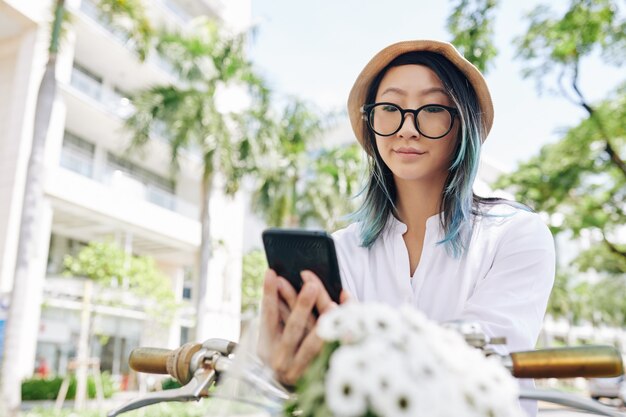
point(306, 276)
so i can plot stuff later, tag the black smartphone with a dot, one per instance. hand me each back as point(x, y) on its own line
point(290, 251)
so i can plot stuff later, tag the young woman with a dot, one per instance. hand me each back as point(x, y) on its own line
point(422, 237)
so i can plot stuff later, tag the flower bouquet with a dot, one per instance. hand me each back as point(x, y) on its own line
point(380, 361)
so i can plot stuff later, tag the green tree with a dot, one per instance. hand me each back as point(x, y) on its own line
point(254, 266)
point(301, 183)
point(471, 25)
point(280, 173)
point(27, 288)
point(108, 265)
point(581, 179)
point(332, 188)
point(206, 60)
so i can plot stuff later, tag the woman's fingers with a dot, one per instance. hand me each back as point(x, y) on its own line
point(323, 301)
point(288, 319)
point(345, 297)
point(289, 294)
point(270, 315)
point(284, 312)
point(309, 349)
point(294, 330)
point(286, 290)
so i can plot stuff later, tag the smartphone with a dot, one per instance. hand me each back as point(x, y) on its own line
point(290, 251)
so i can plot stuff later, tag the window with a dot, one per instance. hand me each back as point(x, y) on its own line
point(158, 190)
point(185, 335)
point(188, 283)
point(59, 247)
point(77, 155)
point(86, 82)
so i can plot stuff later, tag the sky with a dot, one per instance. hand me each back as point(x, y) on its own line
point(314, 50)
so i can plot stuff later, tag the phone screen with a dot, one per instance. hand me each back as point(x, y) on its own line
point(290, 251)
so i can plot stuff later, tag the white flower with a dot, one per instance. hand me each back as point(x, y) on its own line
point(439, 398)
point(344, 323)
point(345, 395)
point(415, 320)
point(382, 321)
point(398, 395)
point(396, 362)
point(351, 358)
point(423, 365)
point(451, 350)
point(488, 389)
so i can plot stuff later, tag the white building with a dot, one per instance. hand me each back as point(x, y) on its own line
point(96, 189)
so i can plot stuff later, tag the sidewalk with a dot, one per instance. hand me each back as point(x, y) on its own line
point(203, 408)
point(116, 400)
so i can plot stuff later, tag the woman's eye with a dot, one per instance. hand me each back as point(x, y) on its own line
point(433, 109)
point(390, 108)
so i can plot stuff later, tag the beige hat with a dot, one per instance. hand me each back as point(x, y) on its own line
point(358, 94)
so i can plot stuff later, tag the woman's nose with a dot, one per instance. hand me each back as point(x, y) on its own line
point(408, 129)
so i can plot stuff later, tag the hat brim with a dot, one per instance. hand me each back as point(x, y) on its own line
point(358, 94)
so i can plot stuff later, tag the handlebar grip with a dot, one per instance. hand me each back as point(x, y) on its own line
point(176, 362)
point(570, 362)
point(150, 360)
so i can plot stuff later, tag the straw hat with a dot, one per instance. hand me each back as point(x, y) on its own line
point(358, 94)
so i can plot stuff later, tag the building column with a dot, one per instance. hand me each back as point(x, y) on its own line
point(21, 347)
point(21, 62)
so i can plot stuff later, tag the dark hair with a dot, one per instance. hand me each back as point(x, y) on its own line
point(458, 201)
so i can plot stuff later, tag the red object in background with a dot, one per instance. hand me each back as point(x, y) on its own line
point(43, 370)
point(124, 382)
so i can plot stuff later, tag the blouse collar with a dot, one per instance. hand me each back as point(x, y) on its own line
point(397, 227)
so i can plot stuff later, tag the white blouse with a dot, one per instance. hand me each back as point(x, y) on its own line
point(503, 281)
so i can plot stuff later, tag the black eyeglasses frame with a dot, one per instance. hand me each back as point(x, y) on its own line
point(367, 108)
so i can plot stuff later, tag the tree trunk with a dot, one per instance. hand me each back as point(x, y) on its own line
point(27, 284)
point(205, 257)
point(83, 357)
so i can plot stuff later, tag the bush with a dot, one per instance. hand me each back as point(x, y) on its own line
point(170, 383)
point(48, 388)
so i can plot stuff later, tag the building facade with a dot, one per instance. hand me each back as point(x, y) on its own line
point(98, 190)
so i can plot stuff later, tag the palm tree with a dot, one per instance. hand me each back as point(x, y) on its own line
point(279, 182)
point(302, 184)
point(331, 191)
point(206, 60)
point(27, 287)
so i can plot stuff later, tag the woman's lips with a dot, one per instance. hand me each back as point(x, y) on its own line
point(409, 151)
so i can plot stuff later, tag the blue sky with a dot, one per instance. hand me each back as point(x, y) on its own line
point(315, 49)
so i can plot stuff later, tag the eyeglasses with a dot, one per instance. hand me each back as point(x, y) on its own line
point(433, 121)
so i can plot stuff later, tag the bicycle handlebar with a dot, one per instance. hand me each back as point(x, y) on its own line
point(198, 366)
point(570, 362)
point(150, 360)
point(175, 362)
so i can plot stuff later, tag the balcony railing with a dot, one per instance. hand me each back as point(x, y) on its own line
point(86, 84)
point(90, 9)
point(177, 10)
point(110, 99)
point(126, 184)
point(77, 162)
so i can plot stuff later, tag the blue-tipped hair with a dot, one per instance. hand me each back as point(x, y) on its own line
point(458, 202)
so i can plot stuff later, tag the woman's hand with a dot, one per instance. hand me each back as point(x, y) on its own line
point(288, 341)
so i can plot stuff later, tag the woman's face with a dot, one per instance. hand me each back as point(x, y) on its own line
point(408, 154)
